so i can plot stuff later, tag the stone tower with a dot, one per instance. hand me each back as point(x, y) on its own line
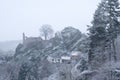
point(24, 38)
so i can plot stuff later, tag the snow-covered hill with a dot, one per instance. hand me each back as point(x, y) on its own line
point(30, 61)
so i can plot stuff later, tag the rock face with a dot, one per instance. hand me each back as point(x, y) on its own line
point(30, 62)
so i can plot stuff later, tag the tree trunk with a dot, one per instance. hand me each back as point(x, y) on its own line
point(114, 51)
point(110, 53)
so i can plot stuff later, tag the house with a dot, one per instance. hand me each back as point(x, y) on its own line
point(62, 59)
point(66, 59)
point(75, 55)
point(54, 60)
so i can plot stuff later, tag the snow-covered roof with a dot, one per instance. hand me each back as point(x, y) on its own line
point(75, 53)
point(66, 57)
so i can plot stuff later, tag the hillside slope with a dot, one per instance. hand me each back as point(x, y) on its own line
point(31, 61)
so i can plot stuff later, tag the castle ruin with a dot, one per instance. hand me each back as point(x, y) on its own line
point(28, 40)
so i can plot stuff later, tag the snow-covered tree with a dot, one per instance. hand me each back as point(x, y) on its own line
point(97, 34)
point(23, 71)
point(104, 30)
point(113, 24)
point(46, 31)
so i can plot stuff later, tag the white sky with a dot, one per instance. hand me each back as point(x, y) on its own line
point(18, 16)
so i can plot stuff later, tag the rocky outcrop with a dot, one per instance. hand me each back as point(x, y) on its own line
point(31, 60)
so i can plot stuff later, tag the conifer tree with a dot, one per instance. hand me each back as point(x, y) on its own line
point(113, 24)
point(97, 32)
point(105, 28)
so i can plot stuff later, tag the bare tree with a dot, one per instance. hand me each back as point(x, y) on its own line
point(46, 31)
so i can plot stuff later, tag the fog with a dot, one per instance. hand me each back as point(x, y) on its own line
point(18, 16)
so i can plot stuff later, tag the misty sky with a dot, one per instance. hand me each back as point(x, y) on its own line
point(18, 16)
